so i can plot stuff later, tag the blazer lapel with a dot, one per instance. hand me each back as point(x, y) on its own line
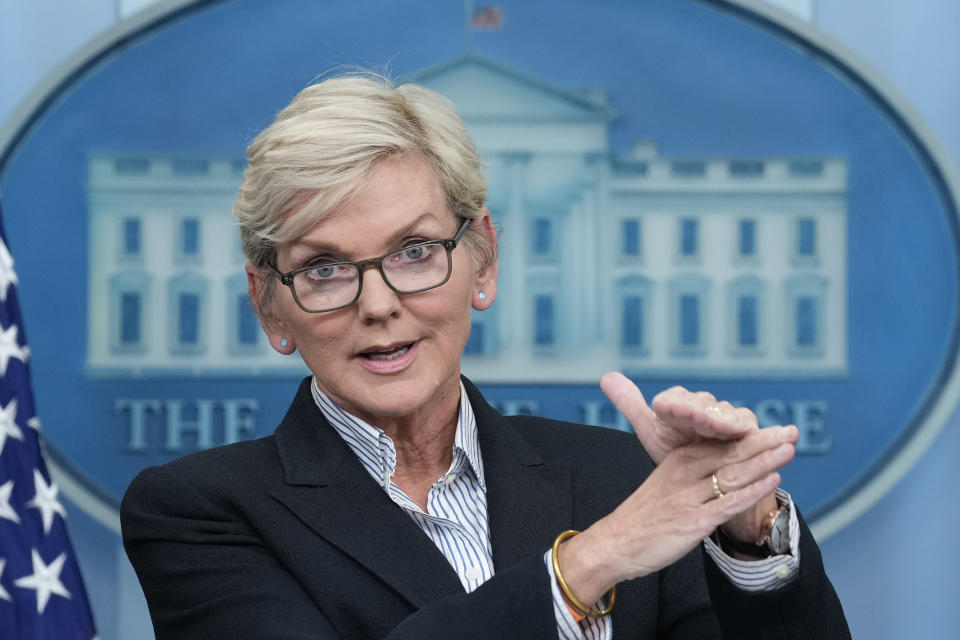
point(529, 500)
point(330, 491)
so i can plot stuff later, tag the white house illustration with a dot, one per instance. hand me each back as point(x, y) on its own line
point(657, 266)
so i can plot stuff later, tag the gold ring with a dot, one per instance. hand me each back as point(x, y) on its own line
point(717, 491)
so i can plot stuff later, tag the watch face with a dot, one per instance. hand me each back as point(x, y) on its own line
point(779, 540)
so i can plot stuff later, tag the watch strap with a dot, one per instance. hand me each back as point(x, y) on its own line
point(765, 545)
point(728, 543)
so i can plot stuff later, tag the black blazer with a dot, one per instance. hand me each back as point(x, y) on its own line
point(289, 537)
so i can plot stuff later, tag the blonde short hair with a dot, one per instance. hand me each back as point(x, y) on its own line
point(321, 147)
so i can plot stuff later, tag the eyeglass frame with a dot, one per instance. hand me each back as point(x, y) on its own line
point(449, 244)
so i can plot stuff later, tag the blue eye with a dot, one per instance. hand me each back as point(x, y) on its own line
point(414, 253)
point(322, 271)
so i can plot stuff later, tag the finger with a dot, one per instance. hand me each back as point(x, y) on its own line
point(756, 442)
point(744, 417)
point(684, 414)
point(736, 502)
point(735, 477)
point(705, 457)
point(702, 414)
point(690, 470)
point(629, 400)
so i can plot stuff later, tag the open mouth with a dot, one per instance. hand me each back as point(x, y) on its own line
point(389, 353)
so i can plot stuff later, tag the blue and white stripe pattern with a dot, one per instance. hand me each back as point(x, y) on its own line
point(456, 517)
point(567, 626)
point(766, 574)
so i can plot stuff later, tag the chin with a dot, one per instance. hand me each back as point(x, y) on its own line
point(397, 399)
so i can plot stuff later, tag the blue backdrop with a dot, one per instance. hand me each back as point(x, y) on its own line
point(740, 114)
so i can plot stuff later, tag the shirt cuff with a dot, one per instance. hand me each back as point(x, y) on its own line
point(567, 626)
point(766, 574)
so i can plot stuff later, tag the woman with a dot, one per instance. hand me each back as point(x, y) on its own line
point(393, 501)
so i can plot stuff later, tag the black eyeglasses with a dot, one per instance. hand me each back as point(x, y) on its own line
point(328, 286)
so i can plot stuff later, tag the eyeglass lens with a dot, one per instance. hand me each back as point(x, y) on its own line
point(408, 270)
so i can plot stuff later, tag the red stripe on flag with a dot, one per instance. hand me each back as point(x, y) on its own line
point(487, 18)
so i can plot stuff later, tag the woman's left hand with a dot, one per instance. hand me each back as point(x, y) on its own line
point(677, 418)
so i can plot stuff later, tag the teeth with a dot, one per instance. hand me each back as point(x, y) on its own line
point(392, 355)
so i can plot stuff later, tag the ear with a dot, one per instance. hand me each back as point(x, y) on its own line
point(272, 325)
point(486, 279)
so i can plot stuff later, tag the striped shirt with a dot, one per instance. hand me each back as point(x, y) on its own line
point(766, 574)
point(456, 516)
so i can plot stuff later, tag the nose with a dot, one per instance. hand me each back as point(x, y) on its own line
point(377, 300)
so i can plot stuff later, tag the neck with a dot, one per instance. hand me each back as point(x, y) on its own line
point(424, 454)
point(424, 441)
point(424, 447)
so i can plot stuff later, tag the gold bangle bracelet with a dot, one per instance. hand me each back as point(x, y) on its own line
point(572, 599)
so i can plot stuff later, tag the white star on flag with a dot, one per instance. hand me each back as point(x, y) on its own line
point(7, 275)
point(45, 579)
point(20, 533)
point(46, 500)
point(8, 424)
point(3, 592)
point(10, 348)
point(6, 511)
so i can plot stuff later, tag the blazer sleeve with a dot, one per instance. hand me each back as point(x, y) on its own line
point(806, 608)
point(207, 574)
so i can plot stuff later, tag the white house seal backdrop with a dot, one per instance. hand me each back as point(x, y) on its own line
point(687, 192)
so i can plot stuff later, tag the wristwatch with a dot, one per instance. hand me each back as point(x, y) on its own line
point(775, 531)
point(774, 537)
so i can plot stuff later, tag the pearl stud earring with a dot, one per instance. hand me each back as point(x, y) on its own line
point(283, 342)
point(482, 295)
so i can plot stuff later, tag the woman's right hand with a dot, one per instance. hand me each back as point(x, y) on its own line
point(676, 507)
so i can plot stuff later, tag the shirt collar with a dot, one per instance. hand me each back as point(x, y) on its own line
point(375, 449)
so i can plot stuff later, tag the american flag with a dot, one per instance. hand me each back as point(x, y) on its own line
point(486, 18)
point(41, 592)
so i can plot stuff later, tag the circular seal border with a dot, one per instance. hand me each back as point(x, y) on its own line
point(940, 399)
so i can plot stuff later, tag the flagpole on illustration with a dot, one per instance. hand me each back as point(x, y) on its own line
point(467, 25)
